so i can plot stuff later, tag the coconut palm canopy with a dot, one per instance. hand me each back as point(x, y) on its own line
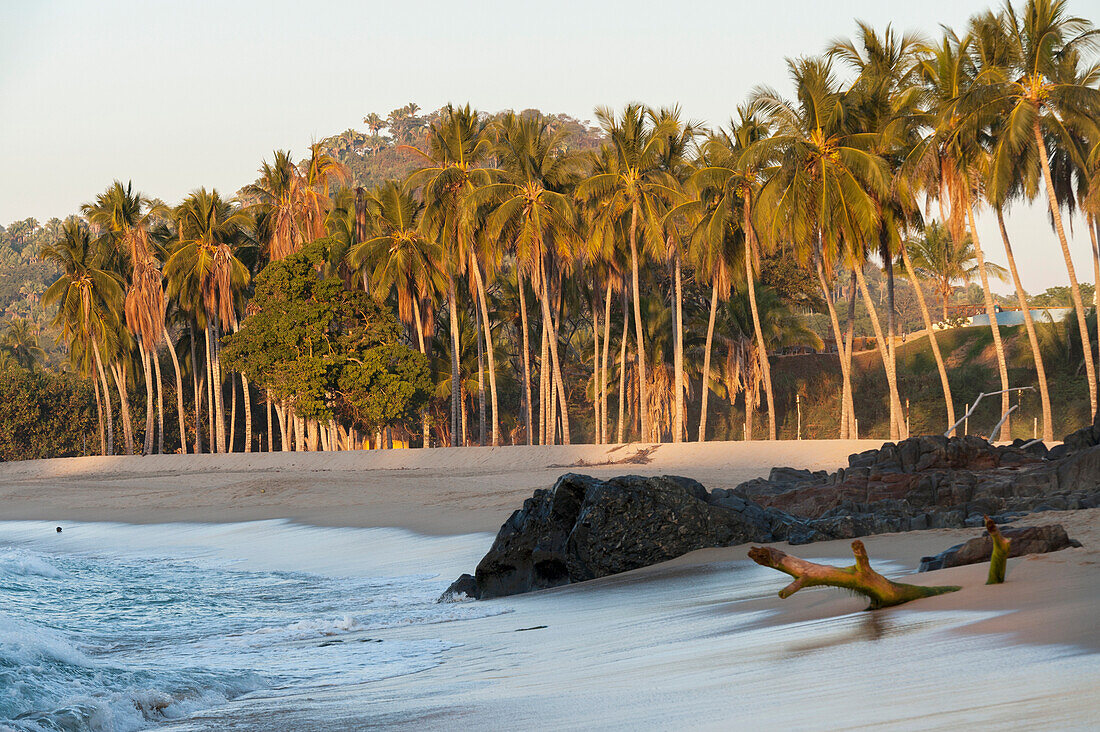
point(567, 282)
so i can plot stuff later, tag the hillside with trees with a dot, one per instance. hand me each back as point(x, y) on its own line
point(465, 278)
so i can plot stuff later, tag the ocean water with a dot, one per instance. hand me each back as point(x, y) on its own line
point(118, 627)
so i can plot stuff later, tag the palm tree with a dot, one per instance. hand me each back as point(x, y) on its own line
point(124, 218)
point(400, 258)
point(822, 193)
point(944, 262)
point(277, 197)
point(87, 298)
point(21, 341)
point(205, 267)
point(637, 187)
point(457, 146)
point(993, 56)
point(374, 123)
point(731, 171)
point(530, 212)
point(678, 141)
point(884, 99)
point(1037, 101)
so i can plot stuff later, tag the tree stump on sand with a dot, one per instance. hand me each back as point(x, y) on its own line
point(998, 562)
point(858, 578)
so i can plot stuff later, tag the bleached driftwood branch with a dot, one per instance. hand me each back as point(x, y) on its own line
point(858, 578)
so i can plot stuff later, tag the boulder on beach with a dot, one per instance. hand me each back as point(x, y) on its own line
point(584, 528)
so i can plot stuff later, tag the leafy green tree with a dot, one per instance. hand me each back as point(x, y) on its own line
point(43, 415)
point(327, 351)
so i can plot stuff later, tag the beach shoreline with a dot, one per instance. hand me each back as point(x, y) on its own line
point(690, 636)
point(433, 492)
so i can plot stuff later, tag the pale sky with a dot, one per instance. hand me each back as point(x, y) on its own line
point(176, 95)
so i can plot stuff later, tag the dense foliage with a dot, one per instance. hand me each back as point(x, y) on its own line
point(639, 281)
point(45, 415)
point(332, 351)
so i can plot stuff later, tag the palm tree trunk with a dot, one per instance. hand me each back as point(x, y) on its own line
point(491, 357)
point(849, 345)
point(678, 360)
point(555, 361)
point(605, 435)
point(895, 429)
point(619, 437)
point(845, 366)
point(526, 357)
point(544, 381)
point(892, 364)
point(212, 433)
point(197, 391)
point(179, 390)
point(425, 423)
point(147, 441)
point(705, 387)
point(280, 414)
point(1032, 336)
point(465, 425)
point(155, 358)
point(1078, 304)
point(990, 310)
point(247, 414)
point(643, 396)
point(931, 334)
point(480, 377)
point(1093, 229)
point(842, 350)
point(231, 444)
point(761, 347)
point(99, 415)
point(219, 388)
point(452, 305)
point(107, 397)
point(119, 373)
point(595, 372)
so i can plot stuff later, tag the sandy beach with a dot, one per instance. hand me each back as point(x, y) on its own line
point(701, 641)
point(436, 491)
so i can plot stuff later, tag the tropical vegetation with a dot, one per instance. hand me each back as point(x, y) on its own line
point(468, 278)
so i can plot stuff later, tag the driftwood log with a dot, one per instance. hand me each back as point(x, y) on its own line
point(998, 562)
point(859, 578)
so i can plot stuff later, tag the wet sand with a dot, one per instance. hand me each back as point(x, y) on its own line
point(703, 642)
point(699, 642)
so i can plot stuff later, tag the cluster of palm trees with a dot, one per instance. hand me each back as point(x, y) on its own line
point(503, 237)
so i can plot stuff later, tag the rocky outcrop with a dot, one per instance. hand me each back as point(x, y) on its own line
point(935, 482)
point(585, 528)
point(1024, 540)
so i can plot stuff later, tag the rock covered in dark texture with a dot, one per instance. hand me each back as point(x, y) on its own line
point(935, 482)
point(585, 528)
point(1082, 439)
point(1024, 540)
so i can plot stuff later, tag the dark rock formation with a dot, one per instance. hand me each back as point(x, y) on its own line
point(585, 528)
point(936, 482)
point(1025, 540)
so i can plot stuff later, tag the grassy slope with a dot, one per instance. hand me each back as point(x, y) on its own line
point(972, 368)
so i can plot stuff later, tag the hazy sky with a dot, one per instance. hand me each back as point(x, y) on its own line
point(185, 94)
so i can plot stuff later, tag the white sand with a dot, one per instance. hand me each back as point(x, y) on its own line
point(699, 642)
point(437, 491)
